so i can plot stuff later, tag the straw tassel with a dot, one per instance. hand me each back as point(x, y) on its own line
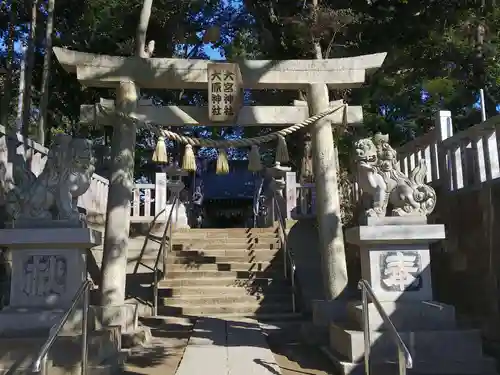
point(282, 150)
point(254, 163)
point(222, 163)
point(189, 160)
point(160, 154)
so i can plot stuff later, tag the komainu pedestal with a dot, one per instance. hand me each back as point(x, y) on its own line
point(48, 265)
point(48, 239)
point(396, 262)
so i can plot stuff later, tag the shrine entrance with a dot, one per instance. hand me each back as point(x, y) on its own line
point(226, 85)
point(227, 199)
point(228, 213)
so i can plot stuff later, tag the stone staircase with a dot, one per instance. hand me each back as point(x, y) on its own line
point(226, 273)
point(234, 272)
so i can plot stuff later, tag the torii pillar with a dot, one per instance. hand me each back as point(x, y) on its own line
point(314, 75)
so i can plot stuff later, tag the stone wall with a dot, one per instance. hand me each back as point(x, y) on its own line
point(465, 267)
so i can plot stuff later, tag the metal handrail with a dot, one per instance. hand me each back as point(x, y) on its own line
point(256, 201)
point(146, 240)
point(404, 357)
point(287, 256)
point(168, 229)
point(40, 363)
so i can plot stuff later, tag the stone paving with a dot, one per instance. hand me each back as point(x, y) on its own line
point(224, 347)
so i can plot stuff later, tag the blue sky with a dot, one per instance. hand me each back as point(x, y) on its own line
point(212, 53)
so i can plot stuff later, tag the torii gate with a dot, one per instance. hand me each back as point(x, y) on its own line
point(127, 74)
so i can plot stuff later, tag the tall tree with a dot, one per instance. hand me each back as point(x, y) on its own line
point(9, 65)
point(42, 125)
point(28, 75)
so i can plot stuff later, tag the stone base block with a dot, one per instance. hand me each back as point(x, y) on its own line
point(18, 354)
point(456, 366)
point(325, 312)
point(312, 334)
point(406, 316)
point(140, 337)
point(423, 345)
point(125, 316)
point(21, 321)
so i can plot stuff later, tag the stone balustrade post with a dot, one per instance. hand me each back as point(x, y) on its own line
point(174, 188)
point(278, 184)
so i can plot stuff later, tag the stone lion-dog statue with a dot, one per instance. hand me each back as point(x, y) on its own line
point(54, 193)
point(383, 184)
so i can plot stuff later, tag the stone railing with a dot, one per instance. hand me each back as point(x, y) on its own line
point(472, 156)
point(95, 198)
point(149, 199)
point(427, 147)
point(456, 161)
point(300, 198)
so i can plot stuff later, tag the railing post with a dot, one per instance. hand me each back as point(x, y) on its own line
point(161, 193)
point(291, 193)
point(86, 303)
point(366, 329)
point(444, 128)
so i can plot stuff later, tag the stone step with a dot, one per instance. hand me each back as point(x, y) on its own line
point(220, 240)
point(152, 249)
point(281, 332)
point(195, 274)
point(210, 242)
point(186, 257)
point(225, 231)
point(233, 266)
point(254, 283)
point(169, 323)
point(206, 245)
point(406, 316)
point(147, 265)
point(426, 345)
point(210, 290)
point(261, 317)
point(447, 366)
point(226, 251)
point(227, 299)
point(231, 308)
point(205, 255)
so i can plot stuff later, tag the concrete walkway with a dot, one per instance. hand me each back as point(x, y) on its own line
point(224, 347)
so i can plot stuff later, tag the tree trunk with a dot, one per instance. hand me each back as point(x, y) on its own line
point(46, 73)
point(30, 60)
point(114, 263)
point(5, 108)
point(325, 166)
point(22, 85)
point(142, 29)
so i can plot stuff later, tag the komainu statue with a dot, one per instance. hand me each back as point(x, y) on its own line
point(54, 193)
point(383, 184)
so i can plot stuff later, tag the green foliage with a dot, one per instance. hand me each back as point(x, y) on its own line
point(431, 47)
